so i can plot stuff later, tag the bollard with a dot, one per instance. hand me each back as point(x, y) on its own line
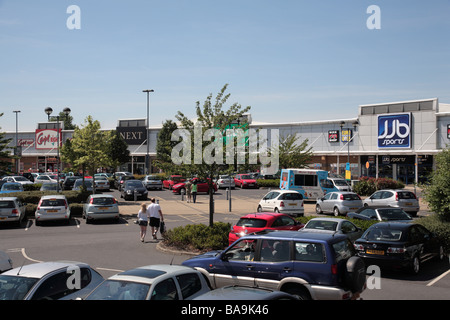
point(135, 194)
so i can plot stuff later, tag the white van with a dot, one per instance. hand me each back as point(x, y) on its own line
point(340, 184)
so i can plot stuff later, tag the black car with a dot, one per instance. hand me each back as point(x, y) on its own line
point(120, 181)
point(380, 214)
point(130, 187)
point(398, 245)
point(69, 181)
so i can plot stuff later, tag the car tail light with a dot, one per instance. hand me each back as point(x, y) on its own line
point(359, 197)
point(91, 201)
point(39, 205)
point(15, 212)
point(282, 204)
point(114, 201)
point(334, 269)
point(396, 196)
point(341, 197)
point(65, 204)
point(359, 247)
point(395, 250)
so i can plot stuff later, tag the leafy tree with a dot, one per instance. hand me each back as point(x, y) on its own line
point(291, 154)
point(437, 192)
point(4, 153)
point(209, 116)
point(117, 149)
point(164, 146)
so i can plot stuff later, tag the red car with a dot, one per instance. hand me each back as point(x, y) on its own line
point(256, 222)
point(173, 180)
point(245, 181)
point(202, 186)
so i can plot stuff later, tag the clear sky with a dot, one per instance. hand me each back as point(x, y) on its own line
point(290, 60)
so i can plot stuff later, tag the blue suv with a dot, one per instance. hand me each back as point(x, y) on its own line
point(305, 264)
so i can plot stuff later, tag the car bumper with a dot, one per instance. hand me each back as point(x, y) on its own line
point(102, 215)
point(331, 293)
point(293, 212)
point(48, 217)
point(393, 262)
point(153, 186)
point(9, 218)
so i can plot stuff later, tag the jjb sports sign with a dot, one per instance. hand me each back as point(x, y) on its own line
point(394, 130)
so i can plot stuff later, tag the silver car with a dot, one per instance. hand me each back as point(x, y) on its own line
point(338, 203)
point(400, 198)
point(154, 282)
point(101, 183)
point(5, 262)
point(12, 209)
point(152, 182)
point(334, 225)
point(100, 206)
point(59, 280)
point(225, 181)
point(52, 207)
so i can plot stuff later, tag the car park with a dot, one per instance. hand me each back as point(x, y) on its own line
point(245, 181)
point(5, 262)
point(132, 189)
point(202, 186)
point(338, 203)
point(380, 214)
point(225, 181)
point(334, 226)
point(100, 206)
point(101, 183)
point(12, 209)
point(245, 293)
point(399, 245)
point(306, 264)
point(86, 182)
point(172, 180)
point(11, 187)
point(58, 280)
point(19, 179)
point(121, 180)
point(52, 207)
point(283, 201)
point(153, 282)
point(398, 198)
point(152, 182)
point(257, 222)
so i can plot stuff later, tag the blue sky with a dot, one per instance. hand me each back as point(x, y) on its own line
point(290, 60)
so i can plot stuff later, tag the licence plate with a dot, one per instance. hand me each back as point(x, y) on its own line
point(408, 203)
point(353, 208)
point(2, 218)
point(103, 208)
point(292, 204)
point(379, 252)
point(250, 184)
point(52, 211)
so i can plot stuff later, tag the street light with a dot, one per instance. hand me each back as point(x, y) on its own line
point(147, 157)
point(49, 111)
point(17, 152)
point(355, 123)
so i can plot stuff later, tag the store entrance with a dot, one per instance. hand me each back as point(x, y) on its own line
point(405, 173)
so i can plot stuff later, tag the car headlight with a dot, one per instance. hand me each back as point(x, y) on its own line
point(129, 191)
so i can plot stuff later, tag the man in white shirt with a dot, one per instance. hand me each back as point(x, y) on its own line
point(156, 216)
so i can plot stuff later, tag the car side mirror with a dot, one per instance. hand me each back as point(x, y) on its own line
point(226, 256)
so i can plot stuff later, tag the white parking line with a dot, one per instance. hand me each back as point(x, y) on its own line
point(438, 278)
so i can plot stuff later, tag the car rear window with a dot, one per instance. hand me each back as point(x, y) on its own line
point(291, 196)
point(406, 195)
point(7, 205)
point(351, 196)
point(251, 222)
point(53, 203)
point(103, 201)
point(381, 234)
point(343, 250)
point(321, 225)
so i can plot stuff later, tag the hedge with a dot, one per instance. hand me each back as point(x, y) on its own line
point(366, 186)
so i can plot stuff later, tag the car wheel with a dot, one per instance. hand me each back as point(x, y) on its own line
point(356, 274)
point(441, 253)
point(259, 209)
point(276, 210)
point(318, 209)
point(336, 212)
point(297, 291)
point(415, 265)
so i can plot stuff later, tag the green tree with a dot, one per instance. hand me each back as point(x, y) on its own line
point(293, 154)
point(117, 149)
point(437, 192)
point(209, 116)
point(4, 153)
point(164, 146)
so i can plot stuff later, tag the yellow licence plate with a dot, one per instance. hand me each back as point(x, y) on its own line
point(2, 218)
point(292, 204)
point(51, 211)
point(379, 252)
point(103, 208)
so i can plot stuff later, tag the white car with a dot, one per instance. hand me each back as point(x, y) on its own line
point(52, 207)
point(283, 201)
point(400, 198)
point(154, 282)
point(44, 178)
point(152, 182)
point(12, 209)
point(19, 179)
point(225, 181)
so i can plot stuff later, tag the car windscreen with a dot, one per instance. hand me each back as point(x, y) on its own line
point(120, 290)
point(246, 177)
point(393, 214)
point(341, 183)
point(134, 184)
point(15, 288)
point(251, 223)
point(103, 201)
point(321, 225)
point(11, 187)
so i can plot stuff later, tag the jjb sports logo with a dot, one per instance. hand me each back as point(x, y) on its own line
point(394, 131)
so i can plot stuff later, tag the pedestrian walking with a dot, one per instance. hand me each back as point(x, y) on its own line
point(194, 190)
point(156, 216)
point(188, 186)
point(143, 220)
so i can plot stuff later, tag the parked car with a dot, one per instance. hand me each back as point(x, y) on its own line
point(309, 265)
point(5, 262)
point(283, 201)
point(69, 181)
point(202, 186)
point(19, 179)
point(245, 181)
point(340, 184)
point(225, 181)
point(152, 182)
point(245, 293)
point(133, 187)
point(172, 180)
point(380, 214)
point(88, 184)
point(338, 203)
point(334, 226)
point(49, 281)
point(52, 207)
point(399, 245)
point(403, 199)
point(121, 180)
point(257, 222)
point(11, 187)
point(12, 209)
point(101, 183)
point(100, 206)
point(154, 282)
point(44, 178)
point(50, 186)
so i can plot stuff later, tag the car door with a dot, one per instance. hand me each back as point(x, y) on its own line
point(265, 200)
point(326, 204)
point(429, 243)
point(274, 201)
point(236, 266)
point(351, 231)
point(375, 199)
point(284, 223)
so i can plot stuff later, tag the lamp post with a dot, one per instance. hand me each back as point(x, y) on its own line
point(348, 175)
point(17, 153)
point(49, 111)
point(147, 156)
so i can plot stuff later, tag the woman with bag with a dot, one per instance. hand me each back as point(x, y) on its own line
point(143, 220)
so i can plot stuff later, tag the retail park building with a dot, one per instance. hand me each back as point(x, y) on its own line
point(397, 140)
